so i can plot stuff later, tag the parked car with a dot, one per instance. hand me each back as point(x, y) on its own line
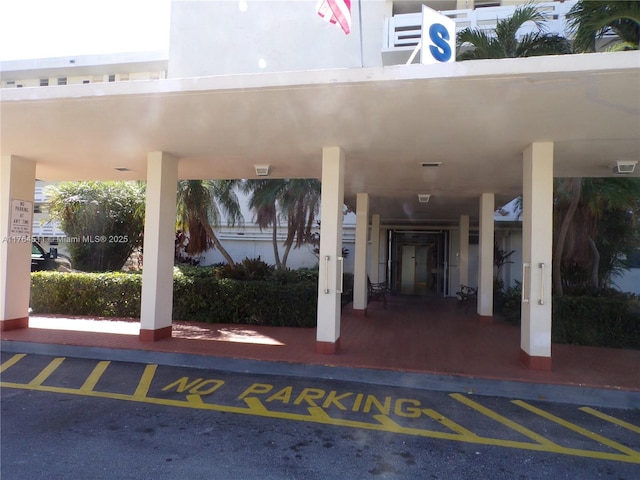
point(43, 260)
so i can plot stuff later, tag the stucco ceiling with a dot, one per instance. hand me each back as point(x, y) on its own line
point(475, 118)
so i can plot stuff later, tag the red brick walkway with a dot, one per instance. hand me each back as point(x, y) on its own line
point(413, 334)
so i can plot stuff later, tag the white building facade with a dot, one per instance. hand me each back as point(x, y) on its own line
point(422, 154)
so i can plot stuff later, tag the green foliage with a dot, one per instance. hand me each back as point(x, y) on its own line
point(602, 232)
point(258, 302)
point(592, 19)
point(199, 207)
point(504, 42)
point(602, 321)
point(586, 316)
point(100, 294)
point(249, 269)
point(104, 222)
point(295, 200)
point(198, 296)
point(510, 303)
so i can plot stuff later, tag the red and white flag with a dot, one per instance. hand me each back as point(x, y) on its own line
point(336, 11)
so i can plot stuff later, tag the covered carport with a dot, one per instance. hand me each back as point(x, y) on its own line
point(494, 129)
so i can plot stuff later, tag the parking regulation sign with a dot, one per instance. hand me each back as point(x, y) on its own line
point(21, 217)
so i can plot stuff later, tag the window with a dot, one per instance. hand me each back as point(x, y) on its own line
point(62, 80)
point(44, 82)
point(112, 78)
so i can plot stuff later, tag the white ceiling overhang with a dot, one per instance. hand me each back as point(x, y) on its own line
point(474, 117)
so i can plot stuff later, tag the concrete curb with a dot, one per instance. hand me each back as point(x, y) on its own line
point(583, 396)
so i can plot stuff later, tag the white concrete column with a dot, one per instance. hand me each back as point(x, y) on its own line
point(330, 274)
point(463, 254)
point(159, 244)
point(537, 250)
point(374, 253)
point(485, 254)
point(17, 187)
point(360, 288)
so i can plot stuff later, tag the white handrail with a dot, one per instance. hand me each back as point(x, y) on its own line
point(525, 266)
point(326, 274)
point(541, 301)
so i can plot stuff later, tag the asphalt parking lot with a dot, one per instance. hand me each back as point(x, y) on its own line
point(609, 436)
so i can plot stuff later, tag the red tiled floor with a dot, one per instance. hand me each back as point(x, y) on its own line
point(413, 334)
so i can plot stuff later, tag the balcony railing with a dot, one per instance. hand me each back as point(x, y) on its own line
point(403, 32)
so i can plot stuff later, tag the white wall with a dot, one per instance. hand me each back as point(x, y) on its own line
point(214, 38)
point(249, 242)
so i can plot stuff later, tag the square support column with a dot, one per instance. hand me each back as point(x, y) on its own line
point(485, 260)
point(374, 253)
point(331, 265)
point(537, 250)
point(17, 188)
point(360, 287)
point(159, 244)
point(463, 256)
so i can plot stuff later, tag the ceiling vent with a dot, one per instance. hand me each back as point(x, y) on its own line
point(624, 167)
point(262, 170)
point(430, 164)
point(424, 197)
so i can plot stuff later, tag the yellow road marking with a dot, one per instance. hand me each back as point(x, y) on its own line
point(12, 361)
point(383, 427)
point(450, 424)
point(318, 415)
point(608, 418)
point(255, 405)
point(93, 378)
point(195, 400)
point(46, 372)
point(503, 420)
point(145, 381)
point(582, 431)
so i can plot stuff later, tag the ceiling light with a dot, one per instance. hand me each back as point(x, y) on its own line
point(430, 164)
point(623, 167)
point(424, 197)
point(262, 170)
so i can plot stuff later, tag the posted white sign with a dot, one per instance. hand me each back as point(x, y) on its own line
point(438, 38)
point(21, 217)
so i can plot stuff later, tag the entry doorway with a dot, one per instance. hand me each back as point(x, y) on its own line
point(420, 263)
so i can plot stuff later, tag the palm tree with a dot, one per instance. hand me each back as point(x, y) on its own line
point(199, 205)
point(296, 200)
point(301, 204)
point(598, 227)
point(263, 201)
point(504, 42)
point(591, 20)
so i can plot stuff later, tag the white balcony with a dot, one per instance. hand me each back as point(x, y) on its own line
point(403, 32)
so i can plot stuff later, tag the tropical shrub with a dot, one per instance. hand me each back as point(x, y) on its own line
point(104, 222)
point(198, 296)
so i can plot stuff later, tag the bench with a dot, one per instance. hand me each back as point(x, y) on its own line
point(467, 296)
point(378, 291)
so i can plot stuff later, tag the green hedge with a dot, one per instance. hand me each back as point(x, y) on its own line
point(598, 318)
point(97, 294)
point(247, 302)
point(597, 321)
point(197, 297)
